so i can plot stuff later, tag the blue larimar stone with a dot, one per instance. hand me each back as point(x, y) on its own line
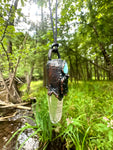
point(65, 69)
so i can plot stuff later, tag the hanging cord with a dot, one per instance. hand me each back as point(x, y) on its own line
point(56, 21)
point(51, 16)
point(55, 46)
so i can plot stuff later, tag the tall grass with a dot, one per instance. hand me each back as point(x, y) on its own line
point(87, 105)
point(87, 120)
point(83, 125)
point(42, 119)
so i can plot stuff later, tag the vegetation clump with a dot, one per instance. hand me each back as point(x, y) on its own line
point(87, 121)
point(86, 43)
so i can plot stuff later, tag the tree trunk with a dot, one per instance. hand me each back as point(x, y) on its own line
point(12, 93)
point(9, 52)
point(97, 69)
point(44, 71)
point(13, 88)
point(76, 64)
point(29, 78)
point(71, 69)
point(106, 56)
point(88, 71)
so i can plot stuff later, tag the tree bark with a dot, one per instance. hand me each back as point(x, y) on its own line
point(104, 52)
point(44, 71)
point(29, 78)
point(88, 71)
point(71, 70)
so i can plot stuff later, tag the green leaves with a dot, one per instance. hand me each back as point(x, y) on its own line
point(86, 106)
point(23, 2)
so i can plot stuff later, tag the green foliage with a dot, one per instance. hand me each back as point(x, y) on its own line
point(92, 22)
point(87, 121)
point(42, 117)
point(43, 126)
point(82, 27)
point(86, 105)
point(76, 36)
point(19, 132)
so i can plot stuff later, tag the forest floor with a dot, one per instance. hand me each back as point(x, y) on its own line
point(13, 123)
point(87, 116)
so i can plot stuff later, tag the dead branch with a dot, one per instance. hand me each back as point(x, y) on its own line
point(86, 59)
point(98, 66)
point(3, 92)
point(15, 106)
point(17, 94)
point(18, 61)
point(7, 117)
point(4, 83)
point(11, 81)
point(11, 105)
point(6, 87)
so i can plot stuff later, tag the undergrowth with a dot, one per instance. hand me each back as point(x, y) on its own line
point(87, 120)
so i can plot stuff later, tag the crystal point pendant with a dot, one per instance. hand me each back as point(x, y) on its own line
point(57, 84)
point(55, 108)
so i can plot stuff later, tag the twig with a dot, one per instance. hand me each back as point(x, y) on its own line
point(4, 118)
point(19, 106)
point(11, 81)
point(6, 87)
point(15, 106)
point(4, 83)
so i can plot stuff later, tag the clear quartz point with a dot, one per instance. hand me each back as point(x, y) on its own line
point(55, 108)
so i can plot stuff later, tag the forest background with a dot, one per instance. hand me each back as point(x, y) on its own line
point(85, 36)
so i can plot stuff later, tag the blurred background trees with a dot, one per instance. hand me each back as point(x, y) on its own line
point(84, 34)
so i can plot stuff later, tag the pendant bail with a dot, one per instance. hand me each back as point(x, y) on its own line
point(54, 49)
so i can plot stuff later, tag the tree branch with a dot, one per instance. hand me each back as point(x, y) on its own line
point(18, 61)
point(6, 24)
point(6, 87)
point(4, 50)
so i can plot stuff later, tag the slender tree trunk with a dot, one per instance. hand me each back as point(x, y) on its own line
point(106, 56)
point(29, 78)
point(9, 52)
point(97, 69)
point(88, 71)
point(44, 71)
point(71, 69)
point(76, 64)
point(104, 73)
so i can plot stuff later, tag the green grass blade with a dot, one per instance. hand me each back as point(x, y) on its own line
point(14, 135)
point(85, 138)
point(28, 138)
